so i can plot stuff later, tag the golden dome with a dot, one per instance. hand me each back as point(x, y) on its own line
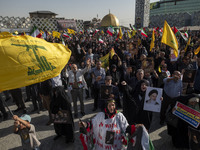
point(110, 20)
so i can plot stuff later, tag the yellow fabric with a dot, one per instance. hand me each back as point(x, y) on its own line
point(129, 35)
point(26, 60)
point(56, 34)
point(105, 59)
point(120, 33)
point(133, 33)
point(188, 43)
point(159, 68)
point(139, 42)
point(197, 50)
point(70, 31)
point(152, 41)
point(5, 34)
point(169, 38)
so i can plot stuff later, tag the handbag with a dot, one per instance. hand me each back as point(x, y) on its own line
point(171, 119)
point(62, 117)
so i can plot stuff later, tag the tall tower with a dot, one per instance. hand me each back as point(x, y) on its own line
point(142, 10)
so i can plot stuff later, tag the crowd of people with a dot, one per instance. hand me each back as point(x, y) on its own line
point(122, 79)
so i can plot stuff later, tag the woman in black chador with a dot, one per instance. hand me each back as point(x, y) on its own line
point(133, 103)
point(143, 116)
point(62, 114)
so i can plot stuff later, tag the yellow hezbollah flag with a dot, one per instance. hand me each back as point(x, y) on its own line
point(139, 42)
point(169, 38)
point(188, 43)
point(120, 33)
point(56, 34)
point(152, 41)
point(5, 34)
point(70, 31)
point(26, 60)
point(105, 59)
point(133, 33)
point(129, 35)
point(197, 50)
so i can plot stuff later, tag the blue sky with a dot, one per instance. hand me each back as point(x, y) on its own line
point(124, 10)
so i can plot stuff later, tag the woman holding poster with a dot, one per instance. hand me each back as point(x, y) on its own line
point(143, 116)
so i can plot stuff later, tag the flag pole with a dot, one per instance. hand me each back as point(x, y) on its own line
point(7, 107)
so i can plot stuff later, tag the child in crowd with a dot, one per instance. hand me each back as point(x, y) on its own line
point(26, 131)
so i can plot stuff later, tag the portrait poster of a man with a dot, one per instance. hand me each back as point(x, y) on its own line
point(153, 98)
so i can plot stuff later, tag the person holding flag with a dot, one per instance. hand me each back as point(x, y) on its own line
point(169, 38)
point(152, 41)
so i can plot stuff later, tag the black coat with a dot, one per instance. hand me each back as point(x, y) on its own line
point(60, 101)
point(143, 116)
point(130, 107)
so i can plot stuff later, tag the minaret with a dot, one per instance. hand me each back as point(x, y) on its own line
point(142, 10)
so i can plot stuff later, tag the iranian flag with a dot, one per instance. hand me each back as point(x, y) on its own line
point(36, 33)
point(183, 36)
point(101, 41)
point(186, 34)
point(154, 29)
point(110, 31)
point(143, 33)
point(66, 35)
point(81, 32)
point(89, 31)
point(134, 28)
point(96, 30)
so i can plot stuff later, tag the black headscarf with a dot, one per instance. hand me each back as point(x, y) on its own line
point(138, 90)
point(60, 100)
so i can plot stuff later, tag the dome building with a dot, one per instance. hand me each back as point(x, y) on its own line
point(109, 20)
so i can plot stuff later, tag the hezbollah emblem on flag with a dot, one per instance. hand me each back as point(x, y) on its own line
point(26, 60)
point(40, 62)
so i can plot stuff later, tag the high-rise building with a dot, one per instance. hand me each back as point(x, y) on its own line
point(178, 12)
point(142, 8)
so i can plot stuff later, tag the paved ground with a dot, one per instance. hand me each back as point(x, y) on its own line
point(10, 141)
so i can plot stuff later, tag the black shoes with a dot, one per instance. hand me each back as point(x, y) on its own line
point(87, 97)
point(69, 140)
point(18, 109)
point(56, 137)
point(162, 123)
point(49, 122)
point(5, 117)
point(75, 115)
point(24, 111)
point(27, 100)
point(94, 109)
point(83, 113)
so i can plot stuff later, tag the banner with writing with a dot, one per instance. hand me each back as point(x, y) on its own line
point(187, 114)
